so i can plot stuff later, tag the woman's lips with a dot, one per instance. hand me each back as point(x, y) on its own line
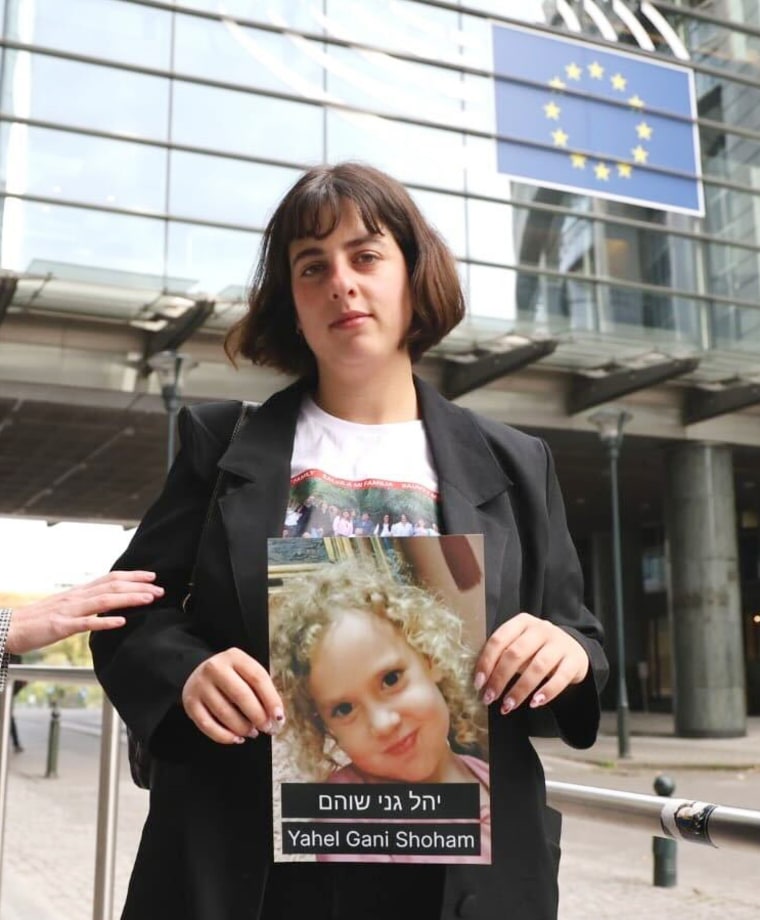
point(349, 320)
point(404, 745)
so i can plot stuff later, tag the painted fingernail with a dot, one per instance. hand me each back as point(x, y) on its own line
point(508, 705)
point(239, 740)
point(538, 699)
point(479, 680)
point(279, 716)
point(253, 733)
point(488, 697)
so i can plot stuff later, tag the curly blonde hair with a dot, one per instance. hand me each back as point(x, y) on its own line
point(310, 604)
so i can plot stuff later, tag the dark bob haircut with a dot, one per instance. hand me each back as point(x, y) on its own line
point(267, 334)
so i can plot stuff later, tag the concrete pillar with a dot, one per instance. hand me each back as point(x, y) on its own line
point(709, 697)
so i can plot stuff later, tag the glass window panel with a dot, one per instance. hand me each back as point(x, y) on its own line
point(447, 214)
point(297, 14)
point(211, 259)
point(492, 294)
point(67, 92)
point(100, 28)
point(379, 82)
point(59, 164)
point(660, 318)
point(733, 214)
point(556, 303)
point(420, 29)
point(491, 232)
point(246, 123)
point(733, 271)
point(225, 190)
point(735, 327)
point(76, 237)
point(412, 154)
point(229, 52)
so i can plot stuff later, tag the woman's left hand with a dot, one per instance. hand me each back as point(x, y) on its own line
point(541, 658)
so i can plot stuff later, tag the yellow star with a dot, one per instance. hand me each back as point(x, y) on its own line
point(573, 72)
point(596, 70)
point(625, 170)
point(644, 131)
point(619, 82)
point(602, 172)
point(640, 154)
point(578, 160)
point(636, 103)
point(560, 138)
point(556, 83)
point(552, 111)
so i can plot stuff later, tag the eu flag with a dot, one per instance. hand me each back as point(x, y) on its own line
point(577, 116)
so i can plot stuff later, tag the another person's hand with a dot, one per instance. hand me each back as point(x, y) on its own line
point(231, 697)
point(60, 615)
point(538, 656)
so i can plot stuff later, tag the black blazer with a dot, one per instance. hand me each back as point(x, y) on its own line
point(205, 850)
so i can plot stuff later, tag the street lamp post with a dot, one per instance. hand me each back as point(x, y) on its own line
point(169, 366)
point(610, 423)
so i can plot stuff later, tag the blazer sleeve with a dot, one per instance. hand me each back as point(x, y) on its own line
point(577, 709)
point(144, 665)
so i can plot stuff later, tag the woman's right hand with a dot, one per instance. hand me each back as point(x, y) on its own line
point(231, 697)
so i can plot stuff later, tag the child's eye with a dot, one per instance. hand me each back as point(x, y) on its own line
point(342, 710)
point(392, 678)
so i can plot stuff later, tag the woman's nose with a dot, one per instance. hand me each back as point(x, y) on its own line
point(341, 282)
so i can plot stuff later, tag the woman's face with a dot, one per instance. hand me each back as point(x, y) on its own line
point(352, 295)
point(380, 700)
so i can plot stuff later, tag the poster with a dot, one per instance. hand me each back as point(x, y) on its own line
point(384, 753)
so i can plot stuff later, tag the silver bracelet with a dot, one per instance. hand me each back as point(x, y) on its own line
point(5, 625)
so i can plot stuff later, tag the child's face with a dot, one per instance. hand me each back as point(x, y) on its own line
point(379, 699)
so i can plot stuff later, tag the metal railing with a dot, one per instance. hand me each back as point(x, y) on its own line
point(108, 777)
point(680, 819)
point(676, 818)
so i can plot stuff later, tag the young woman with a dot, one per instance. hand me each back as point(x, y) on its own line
point(352, 286)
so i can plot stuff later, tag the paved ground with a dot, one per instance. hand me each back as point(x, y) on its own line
point(606, 870)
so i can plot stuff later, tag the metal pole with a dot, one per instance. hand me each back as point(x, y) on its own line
point(664, 850)
point(54, 738)
point(108, 788)
point(6, 701)
point(622, 691)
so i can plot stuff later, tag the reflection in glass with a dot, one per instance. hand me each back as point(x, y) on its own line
point(212, 259)
point(411, 153)
point(99, 28)
point(77, 237)
point(66, 92)
point(226, 51)
point(225, 190)
point(73, 167)
point(735, 327)
point(245, 123)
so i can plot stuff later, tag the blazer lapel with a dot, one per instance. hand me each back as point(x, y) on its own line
point(254, 501)
point(475, 497)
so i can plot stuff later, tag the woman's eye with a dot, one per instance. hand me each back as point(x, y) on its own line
point(392, 678)
point(310, 270)
point(366, 258)
point(342, 710)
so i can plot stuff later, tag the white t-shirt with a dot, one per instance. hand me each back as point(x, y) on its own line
point(348, 479)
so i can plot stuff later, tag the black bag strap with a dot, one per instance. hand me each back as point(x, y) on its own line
point(211, 504)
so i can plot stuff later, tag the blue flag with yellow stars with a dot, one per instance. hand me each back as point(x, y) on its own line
point(577, 116)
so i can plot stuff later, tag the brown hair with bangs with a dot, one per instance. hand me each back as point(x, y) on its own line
point(267, 334)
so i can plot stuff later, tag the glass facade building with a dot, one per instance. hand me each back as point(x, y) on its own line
point(143, 144)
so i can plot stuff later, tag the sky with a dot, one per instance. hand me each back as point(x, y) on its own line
point(36, 558)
